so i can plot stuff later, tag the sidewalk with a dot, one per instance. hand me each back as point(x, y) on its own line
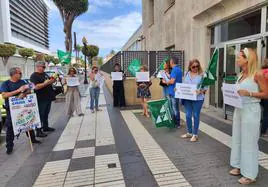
point(85, 154)
point(123, 148)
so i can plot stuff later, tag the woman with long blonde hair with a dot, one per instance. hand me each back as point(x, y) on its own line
point(246, 120)
point(193, 108)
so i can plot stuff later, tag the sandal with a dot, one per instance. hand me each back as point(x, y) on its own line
point(194, 138)
point(246, 181)
point(187, 135)
point(235, 172)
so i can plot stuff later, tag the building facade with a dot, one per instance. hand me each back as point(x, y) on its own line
point(25, 24)
point(135, 42)
point(198, 27)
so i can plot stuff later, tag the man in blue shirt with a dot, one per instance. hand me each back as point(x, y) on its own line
point(175, 77)
point(13, 87)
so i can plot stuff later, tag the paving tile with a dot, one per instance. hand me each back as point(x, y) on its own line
point(104, 150)
point(79, 178)
point(82, 163)
point(84, 152)
point(85, 143)
point(60, 155)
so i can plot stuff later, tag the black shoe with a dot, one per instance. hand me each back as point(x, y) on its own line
point(41, 134)
point(9, 150)
point(49, 129)
point(36, 141)
point(81, 114)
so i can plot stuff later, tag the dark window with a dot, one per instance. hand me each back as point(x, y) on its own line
point(267, 20)
point(212, 35)
point(240, 27)
point(171, 48)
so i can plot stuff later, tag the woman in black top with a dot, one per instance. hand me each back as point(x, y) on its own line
point(264, 103)
point(118, 89)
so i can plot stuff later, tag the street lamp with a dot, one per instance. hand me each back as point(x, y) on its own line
point(84, 40)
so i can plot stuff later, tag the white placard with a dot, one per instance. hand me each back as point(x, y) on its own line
point(117, 76)
point(72, 81)
point(186, 91)
point(231, 96)
point(142, 76)
point(24, 113)
point(100, 79)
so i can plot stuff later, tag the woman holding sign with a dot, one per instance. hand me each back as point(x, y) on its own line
point(246, 120)
point(193, 108)
point(143, 92)
point(118, 88)
point(94, 89)
point(73, 102)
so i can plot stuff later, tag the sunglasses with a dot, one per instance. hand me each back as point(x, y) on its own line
point(43, 67)
point(193, 67)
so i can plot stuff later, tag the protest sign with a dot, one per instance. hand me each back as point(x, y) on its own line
point(142, 77)
point(100, 80)
point(186, 91)
point(24, 113)
point(117, 76)
point(72, 81)
point(231, 96)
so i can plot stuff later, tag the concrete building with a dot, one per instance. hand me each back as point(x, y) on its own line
point(25, 24)
point(198, 27)
point(135, 42)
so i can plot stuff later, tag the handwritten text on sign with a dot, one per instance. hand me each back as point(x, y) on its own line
point(231, 96)
point(186, 91)
point(24, 113)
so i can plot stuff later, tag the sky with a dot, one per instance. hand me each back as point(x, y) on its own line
point(107, 24)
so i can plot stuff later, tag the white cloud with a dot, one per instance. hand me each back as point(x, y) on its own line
point(133, 2)
point(109, 34)
point(51, 5)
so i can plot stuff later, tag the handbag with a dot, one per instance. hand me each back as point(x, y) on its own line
point(58, 90)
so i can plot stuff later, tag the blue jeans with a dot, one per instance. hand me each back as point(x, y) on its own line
point(175, 110)
point(193, 108)
point(165, 91)
point(94, 98)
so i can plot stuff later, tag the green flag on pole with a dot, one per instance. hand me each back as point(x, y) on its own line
point(161, 113)
point(210, 75)
point(134, 66)
point(65, 58)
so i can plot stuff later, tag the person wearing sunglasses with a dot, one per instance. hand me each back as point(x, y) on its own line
point(45, 95)
point(14, 87)
point(73, 101)
point(193, 108)
point(246, 120)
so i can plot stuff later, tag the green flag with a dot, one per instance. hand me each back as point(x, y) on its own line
point(65, 58)
point(162, 65)
point(161, 113)
point(210, 75)
point(134, 66)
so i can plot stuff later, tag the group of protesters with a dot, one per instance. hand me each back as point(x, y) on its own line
point(252, 86)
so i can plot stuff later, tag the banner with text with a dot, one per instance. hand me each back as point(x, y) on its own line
point(231, 96)
point(24, 113)
point(186, 91)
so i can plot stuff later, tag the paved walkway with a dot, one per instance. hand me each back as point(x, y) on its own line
point(123, 148)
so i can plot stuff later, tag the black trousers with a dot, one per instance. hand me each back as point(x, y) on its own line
point(10, 133)
point(264, 125)
point(44, 107)
point(119, 95)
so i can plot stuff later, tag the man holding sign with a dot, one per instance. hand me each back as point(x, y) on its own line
point(14, 87)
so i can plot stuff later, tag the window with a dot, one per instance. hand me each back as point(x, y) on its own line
point(240, 27)
point(212, 35)
point(171, 48)
point(151, 13)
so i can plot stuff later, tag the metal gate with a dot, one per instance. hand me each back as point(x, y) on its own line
point(152, 59)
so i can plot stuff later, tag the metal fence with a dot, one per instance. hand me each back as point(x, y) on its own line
point(152, 59)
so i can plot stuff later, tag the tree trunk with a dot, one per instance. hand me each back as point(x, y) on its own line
point(68, 35)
